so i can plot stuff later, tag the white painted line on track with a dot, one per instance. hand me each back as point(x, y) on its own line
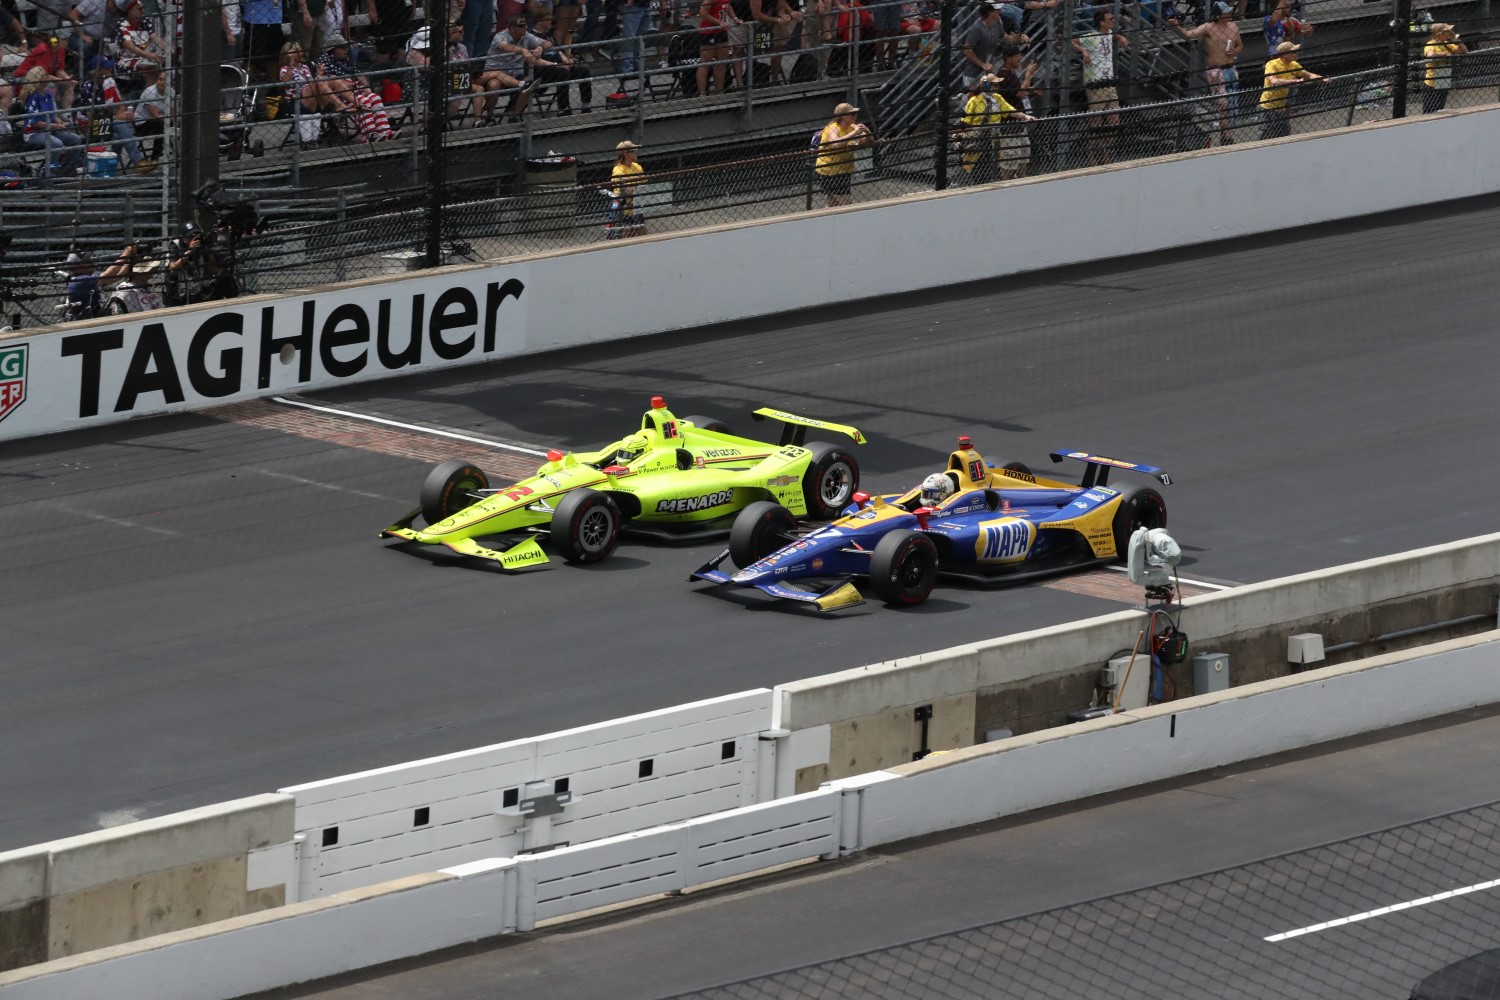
point(1194, 583)
point(1384, 910)
point(118, 522)
point(414, 428)
point(323, 486)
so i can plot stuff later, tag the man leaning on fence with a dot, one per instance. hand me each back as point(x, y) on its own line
point(835, 148)
point(1441, 51)
point(1282, 73)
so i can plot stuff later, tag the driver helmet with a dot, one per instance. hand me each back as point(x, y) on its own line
point(935, 489)
point(631, 448)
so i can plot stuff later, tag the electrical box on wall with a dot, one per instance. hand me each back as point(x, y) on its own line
point(1210, 673)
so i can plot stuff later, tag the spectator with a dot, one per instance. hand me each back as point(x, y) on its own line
point(13, 49)
point(554, 65)
point(984, 113)
point(151, 109)
point(505, 69)
point(45, 128)
point(88, 21)
point(916, 20)
point(308, 28)
point(714, 20)
point(983, 41)
point(854, 26)
point(780, 21)
point(137, 42)
point(83, 289)
point(1097, 48)
point(390, 27)
point(1222, 45)
point(635, 21)
point(835, 154)
point(51, 58)
point(1442, 48)
point(335, 63)
point(194, 266)
point(299, 97)
point(263, 38)
point(566, 12)
point(478, 19)
point(101, 96)
point(460, 80)
point(1015, 86)
point(1280, 26)
point(233, 23)
point(885, 18)
point(1282, 73)
point(625, 220)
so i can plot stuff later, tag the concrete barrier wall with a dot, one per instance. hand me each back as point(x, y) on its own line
point(134, 881)
point(203, 356)
point(1063, 765)
point(425, 913)
point(1029, 680)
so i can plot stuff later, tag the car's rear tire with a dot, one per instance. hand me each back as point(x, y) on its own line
point(448, 489)
point(830, 481)
point(1139, 508)
point(903, 568)
point(709, 424)
point(759, 529)
point(586, 526)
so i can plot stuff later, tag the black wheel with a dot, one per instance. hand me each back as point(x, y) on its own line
point(759, 530)
point(1139, 508)
point(831, 479)
point(903, 568)
point(116, 308)
point(586, 526)
point(449, 488)
point(709, 424)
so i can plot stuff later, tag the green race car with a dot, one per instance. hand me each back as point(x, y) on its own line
point(680, 478)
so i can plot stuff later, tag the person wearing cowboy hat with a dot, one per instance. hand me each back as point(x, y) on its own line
point(1283, 72)
point(835, 160)
point(624, 218)
point(1442, 48)
point(984, 112)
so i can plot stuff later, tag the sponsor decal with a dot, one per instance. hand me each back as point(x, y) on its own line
point(1004, 541)
point(792, 451)
point(779, 481)
point(231, 352)
point(12, 378)
point(698, 461)
point(1101, 460)
point(1018, 474)
point(529, 555)
point(816, 564)
point(1096, 497)
point(720, 452)
point(686, 505)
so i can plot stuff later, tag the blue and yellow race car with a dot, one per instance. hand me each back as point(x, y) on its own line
point(973, 522)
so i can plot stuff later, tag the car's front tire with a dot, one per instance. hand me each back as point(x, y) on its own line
point(586, 526)
point(830, 481)
point(1139, 508)
point(709, 424)
point(449, 488)
point(760, 529)
point(903, 568)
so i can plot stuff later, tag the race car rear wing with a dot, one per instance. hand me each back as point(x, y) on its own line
point(1099, 466)
point(794, 428)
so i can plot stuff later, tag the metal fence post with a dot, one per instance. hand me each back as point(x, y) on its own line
point(342, 214)
point(437, 116)
point(1402, 45)
point(747, 81)
point(854, 59)
point(945, 96)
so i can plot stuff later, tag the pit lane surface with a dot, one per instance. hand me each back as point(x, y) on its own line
point(197, 608)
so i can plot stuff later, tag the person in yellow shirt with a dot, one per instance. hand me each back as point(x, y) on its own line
point(984, 112)
point(624, 219)
point(835, 160)
point(1442, 48)
point(1283, 72)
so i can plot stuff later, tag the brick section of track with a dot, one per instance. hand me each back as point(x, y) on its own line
point(1110, 585)
point(348, 432)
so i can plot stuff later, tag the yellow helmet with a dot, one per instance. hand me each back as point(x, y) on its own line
point(632, 448)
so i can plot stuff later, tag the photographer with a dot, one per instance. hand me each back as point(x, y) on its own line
point(194, 267)
point(83, 289)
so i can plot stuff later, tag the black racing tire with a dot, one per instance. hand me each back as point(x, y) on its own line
point(831, 479)
point(903, 568)
point(1142, 507)
point(760, 529)
point(709, 424)
point(586, 526)
point(447, 489)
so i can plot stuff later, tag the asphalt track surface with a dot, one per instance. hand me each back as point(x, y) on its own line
point(1167, 891)
point(197, 608)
